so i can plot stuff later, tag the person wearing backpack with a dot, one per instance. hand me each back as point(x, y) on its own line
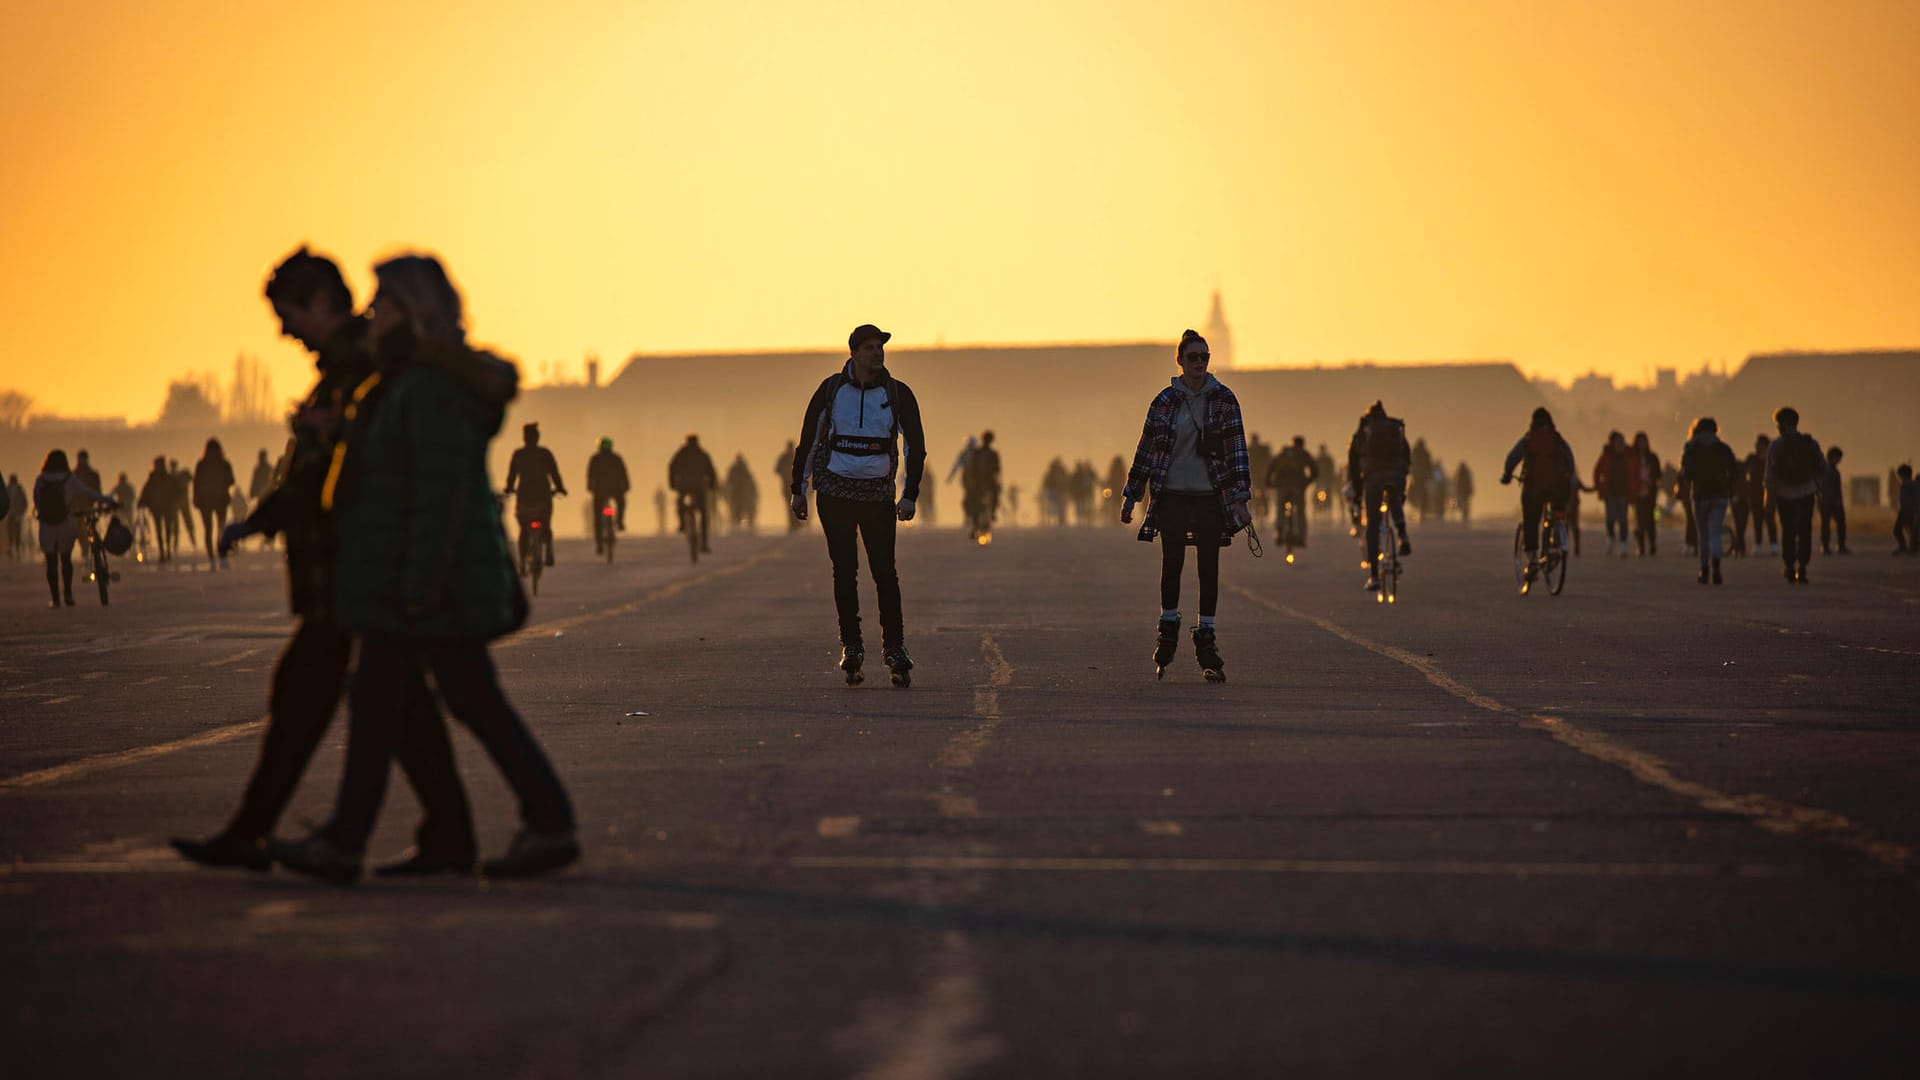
point(1711, 474)
point(56, 492)
point(1289, 474)
point(1795, 465)
point(1378, 460)
point(850, 450)
point(1547, 470)
point(1613, 478)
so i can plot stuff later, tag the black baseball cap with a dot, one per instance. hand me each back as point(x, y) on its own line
point(864, 332)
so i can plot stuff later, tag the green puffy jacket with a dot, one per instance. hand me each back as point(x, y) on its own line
point(423, 556)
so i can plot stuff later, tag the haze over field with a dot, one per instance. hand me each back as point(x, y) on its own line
point(1609, 186)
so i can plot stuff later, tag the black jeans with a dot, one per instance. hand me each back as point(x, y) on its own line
point(1796, 530)
point(1176, 515)
point(1833, 516)
point(1535, 503)
point(471, 690)
point(208, 525)
point(1765, 517)
point(876, 526)
point(1644, 536)
point(306, 688)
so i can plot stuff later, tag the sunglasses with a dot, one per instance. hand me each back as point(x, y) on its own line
point(1196, 358)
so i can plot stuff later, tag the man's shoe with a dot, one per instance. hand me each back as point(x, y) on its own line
point(1703, 575)
point(1790, 577)
point(1373, 583)
point(549, 558)
point(1716, 572)
point(534, 853)
point(1801, 575)
point(1406, 546)
point(417, 863)
point(316, 857)
point(224, 851)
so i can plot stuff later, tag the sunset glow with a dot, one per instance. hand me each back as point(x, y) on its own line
point(1610, 186)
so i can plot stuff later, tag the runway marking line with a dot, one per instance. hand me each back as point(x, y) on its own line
point(943, 1031)
point(961, 751)
point(536, 632)
point(838, 827)
point(1776, 816)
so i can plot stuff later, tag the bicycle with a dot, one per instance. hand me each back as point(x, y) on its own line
point(603, 529)
point(1386, 561)
point(1551, 562)
point(689, 523)
point(536, 543)
point(96, 548)
point(1291, 527)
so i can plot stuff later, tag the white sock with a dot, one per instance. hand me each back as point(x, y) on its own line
point(1206, 620)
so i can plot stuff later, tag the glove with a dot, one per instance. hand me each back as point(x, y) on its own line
point(904, 511)
point(231, 536)
point(799, 505)
point(1506, 478)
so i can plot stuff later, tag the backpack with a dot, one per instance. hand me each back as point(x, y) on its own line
point(1544, 466)
point(1386, 444)
point(1710, 467)
point(1797, 463)
point(50, 503)
point(1290, 469)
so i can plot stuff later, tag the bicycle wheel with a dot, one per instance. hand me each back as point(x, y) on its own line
point(1520, 558)
point(1557, 564)
point(100, 571)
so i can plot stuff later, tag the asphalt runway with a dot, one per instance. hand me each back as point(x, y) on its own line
point(1642, 828)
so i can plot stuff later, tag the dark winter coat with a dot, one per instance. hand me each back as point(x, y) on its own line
point(423, 556)
point(1708, 467)
point(293, 506)
point(212, 484)
point(607, 474)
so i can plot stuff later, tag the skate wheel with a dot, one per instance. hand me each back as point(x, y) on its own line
point(901, 678)
point(855, 678)
point(1216, 676)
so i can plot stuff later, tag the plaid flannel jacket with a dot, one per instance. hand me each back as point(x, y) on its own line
point(1232, 475)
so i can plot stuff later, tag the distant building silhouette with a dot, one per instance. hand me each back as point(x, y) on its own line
point(1219, 336)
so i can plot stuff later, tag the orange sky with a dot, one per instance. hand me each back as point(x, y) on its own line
point(1610, 185)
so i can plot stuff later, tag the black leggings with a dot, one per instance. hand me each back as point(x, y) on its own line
point(64, 576)
point(1175, 515)
point(207, 522)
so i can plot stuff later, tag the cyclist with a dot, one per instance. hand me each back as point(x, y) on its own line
point(1547, 470)
point(1289, 474)
point(982, 482)
point(534, 476)
point(1378, 459)
point(691, 475)
point(607, 482)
